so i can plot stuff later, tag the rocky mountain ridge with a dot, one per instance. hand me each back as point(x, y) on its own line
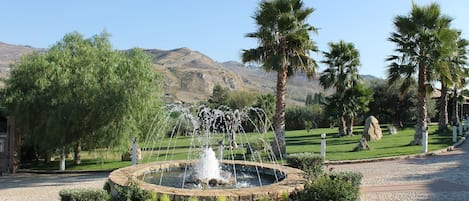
point(190, 75)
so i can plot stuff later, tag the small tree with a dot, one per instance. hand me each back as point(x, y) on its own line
point(266, 102)
point(219, 96)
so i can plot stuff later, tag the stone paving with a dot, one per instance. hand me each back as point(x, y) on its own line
point(45, 187)
point(441, 177)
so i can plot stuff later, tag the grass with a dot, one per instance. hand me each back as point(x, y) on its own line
point(297, 141)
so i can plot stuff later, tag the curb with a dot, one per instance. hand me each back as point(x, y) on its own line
point(392, 158)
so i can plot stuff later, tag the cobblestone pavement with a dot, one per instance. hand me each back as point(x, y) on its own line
point(441, 177)
point(45, 187)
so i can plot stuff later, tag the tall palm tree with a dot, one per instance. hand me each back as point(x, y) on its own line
point(416, 38)
point(450, 69)
point(459, 62)
point(342, 73)
point(284, 46)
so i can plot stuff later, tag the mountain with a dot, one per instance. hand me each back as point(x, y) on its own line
point(190, 75)
point(11, 53)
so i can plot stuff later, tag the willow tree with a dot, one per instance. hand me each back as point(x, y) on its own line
point(81, 91)
point(284, 46)
point(418, 48)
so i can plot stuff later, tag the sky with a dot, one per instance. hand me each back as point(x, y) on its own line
point(216, 28)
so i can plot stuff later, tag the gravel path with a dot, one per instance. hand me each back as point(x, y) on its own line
point(45, 187)
point(441, 177)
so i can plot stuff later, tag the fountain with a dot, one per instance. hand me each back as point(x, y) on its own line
point(204, 175)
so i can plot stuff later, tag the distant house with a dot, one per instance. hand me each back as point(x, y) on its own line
point(463, 107)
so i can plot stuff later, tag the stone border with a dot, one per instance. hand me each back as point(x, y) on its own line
point(391, 158)
point(292, 183)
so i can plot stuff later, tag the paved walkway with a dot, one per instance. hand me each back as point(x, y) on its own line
point(45, 187)
point(441, 177)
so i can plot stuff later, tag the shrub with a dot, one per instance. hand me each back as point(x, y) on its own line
point(354, 178)
point(326, 188)
point(285, 196)
point(164, 197)
point(221, 198)
point(133, 192)
point(193, 199)
point(107, 187)
point(311, 163)
point(83, 195)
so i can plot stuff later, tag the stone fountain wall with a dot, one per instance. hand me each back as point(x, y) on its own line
point(293, 182)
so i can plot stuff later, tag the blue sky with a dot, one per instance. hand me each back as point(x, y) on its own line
point(213, 27)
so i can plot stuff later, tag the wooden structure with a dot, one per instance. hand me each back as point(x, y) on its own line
point(9, 146)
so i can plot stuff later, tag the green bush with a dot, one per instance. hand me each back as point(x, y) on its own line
point(193, 199)
point(107, 187)
point(355, 178)
point(83, 195)
point(133, 192)
point(311, 163)
point(326, 188)
point(164, 197)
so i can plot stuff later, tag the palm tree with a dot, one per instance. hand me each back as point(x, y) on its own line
point(342, 73)
point(450, 69)
point(356, 100)
point(459, 62)
point(416, 38)
point(284, 46)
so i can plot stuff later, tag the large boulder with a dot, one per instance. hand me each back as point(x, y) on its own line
point(372, 130)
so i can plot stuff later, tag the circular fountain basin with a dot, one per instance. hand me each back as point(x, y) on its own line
point(275, 180)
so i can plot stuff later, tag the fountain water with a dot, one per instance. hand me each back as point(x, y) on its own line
point(207, 170)
point(236, 176)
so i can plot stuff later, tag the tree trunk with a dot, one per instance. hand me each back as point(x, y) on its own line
point(47, 156)
point(443, 109)
point(77, 156)
point(349, 125)
point(279, 144)
point(62, 158)
point(342, 126)
point(421, 105)
point(455, 108)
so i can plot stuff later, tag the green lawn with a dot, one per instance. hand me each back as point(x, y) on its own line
point(297, 141)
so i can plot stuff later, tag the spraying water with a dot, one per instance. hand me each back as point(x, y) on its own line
point(207, 127)
point(207, 167)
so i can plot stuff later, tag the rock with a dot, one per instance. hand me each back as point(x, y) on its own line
point(372, 130)
point(392, 130)
point(362, 145)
